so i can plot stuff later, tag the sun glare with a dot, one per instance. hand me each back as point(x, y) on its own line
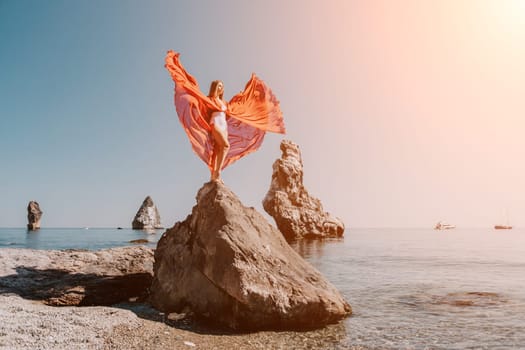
point(509, 14)
point(500, 23)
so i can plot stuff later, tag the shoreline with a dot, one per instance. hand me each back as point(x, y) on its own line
point(28, 323)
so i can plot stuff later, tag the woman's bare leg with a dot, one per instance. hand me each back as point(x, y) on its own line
point(222, 146)
point(213, 162)
point(221, 157)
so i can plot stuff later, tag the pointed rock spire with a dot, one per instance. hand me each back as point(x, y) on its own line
point(296, 213)
point(147, 217)
point(34, 214)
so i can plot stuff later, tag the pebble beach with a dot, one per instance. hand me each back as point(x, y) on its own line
point(28, 324)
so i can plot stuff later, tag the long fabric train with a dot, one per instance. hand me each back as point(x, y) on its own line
point(251, 113)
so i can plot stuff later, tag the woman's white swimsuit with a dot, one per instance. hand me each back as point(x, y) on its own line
point(218, 118)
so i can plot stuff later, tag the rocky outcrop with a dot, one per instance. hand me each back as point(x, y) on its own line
point(296, 213)
point(78, 278)
point(139, 241)
point(226, 264)
point(34, 214)
point(147, 217)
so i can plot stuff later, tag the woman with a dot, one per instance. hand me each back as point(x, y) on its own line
point(219, 130)
point(217, 140)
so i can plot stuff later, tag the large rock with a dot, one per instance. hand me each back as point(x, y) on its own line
point(296, 213)
point(34, 214)
point(80, 278)
point(228, 265)
point(147, 217)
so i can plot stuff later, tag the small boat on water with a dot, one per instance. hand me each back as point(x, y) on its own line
point(507, 225)
point(444, 226)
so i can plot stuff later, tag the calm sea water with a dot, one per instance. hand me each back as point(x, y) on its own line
point(409, 288)
point(74, 238)
point(426, 289)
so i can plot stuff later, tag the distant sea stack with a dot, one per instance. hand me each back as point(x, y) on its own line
point(296, 213)
point(34, 214)
point(226, 264)
point(147, 217)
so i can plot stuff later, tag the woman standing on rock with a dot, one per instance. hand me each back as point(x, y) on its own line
point(217, 140)
point(219, 130)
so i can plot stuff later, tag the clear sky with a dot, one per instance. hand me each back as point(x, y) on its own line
point(407, 112)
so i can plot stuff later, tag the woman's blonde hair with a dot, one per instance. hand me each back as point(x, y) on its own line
point(213, 89)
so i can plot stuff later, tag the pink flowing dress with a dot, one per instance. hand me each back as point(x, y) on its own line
point(251, 113)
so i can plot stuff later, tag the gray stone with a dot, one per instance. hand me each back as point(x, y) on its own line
point(147, 217)
point(297, 214)
point(226, 264)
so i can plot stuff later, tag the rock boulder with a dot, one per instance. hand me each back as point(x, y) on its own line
point(228, 265)
point(147, 217)
point(34, 214)
point(296, 213)
point(77, 278)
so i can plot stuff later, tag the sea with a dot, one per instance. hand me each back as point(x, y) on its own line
point(408, 288)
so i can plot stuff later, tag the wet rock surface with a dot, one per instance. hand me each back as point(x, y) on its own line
point(469, 299)
point(147, 216)
point(297, 214)
point(139, 241)
point(77, 278)
point(227, 265)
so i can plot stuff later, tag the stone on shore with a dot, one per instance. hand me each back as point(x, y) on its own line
point(139, 241)
point(226, 264)
point(34, 214)
point(296, 213)
point(147, 217)
point(77, 278)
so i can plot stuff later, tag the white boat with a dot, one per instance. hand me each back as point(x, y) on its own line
point(443, 226)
